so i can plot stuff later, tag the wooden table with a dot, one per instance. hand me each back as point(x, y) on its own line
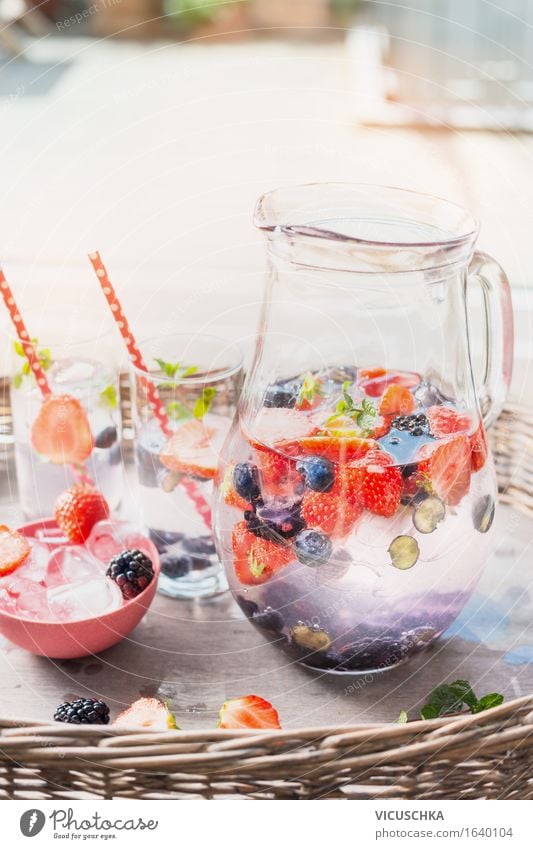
point(197, 655)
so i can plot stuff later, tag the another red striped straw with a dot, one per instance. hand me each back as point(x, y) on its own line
point(24, 337)
point(202, 506)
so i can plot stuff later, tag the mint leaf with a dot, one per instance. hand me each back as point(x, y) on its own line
point(16, 381)
point(450, 698)
point(190, 370)
point(17, 347)
point(44, 355)
point(203, 403)
point(363, 415)
point(108, 398)
point(402, 718)
point(177, 411)
point(489, 701)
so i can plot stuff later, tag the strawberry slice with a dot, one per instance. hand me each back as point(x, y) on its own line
point(374, 387)
point(256, 560)
point(480, 450)
point(190, 450)
point(276, 425)
point(14, 549)
point(61, 431)
point(397, 400)
point(229, 494)
point(338, 449)
point(444, 421)
point(368, 373)
point(448, 468)
point(248, 712)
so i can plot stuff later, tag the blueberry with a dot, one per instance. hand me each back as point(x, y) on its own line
point(246, 481)
point(199, 545)
point(107, 437)
point(148, 466)
point(312, 548)
point(318, 473)
point(280, 395)
point(176, 567)
point(269, 620)
point(162, 539)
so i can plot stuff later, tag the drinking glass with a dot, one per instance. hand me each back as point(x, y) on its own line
point(198, 380)
point(83, 370)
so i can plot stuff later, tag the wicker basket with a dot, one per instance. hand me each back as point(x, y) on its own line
point(488, 755)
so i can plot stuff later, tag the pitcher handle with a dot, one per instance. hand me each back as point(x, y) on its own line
point(499, 334)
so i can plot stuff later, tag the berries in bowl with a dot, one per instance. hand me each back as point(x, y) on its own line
point(76, 586)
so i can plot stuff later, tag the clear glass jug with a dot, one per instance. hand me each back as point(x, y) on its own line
point(356, 492)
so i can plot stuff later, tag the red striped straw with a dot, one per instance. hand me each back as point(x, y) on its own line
point(157, 406)
point(24, 337)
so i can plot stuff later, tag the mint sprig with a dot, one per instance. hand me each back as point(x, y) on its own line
point(44, 355)
point(449, 699)
point(108, 398)
point(363, 414)
point(175, 371)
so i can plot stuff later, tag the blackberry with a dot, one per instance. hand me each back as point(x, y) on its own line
point(83, 712)
point(416, 424)
point(132, 571)
point(275, 520)
point(174, 566)
point(281, 395)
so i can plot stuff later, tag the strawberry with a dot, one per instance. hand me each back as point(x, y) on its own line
point(376, 386)
point(280, 424)
point(248, 712)
point(335, 512)
point(276, 470)
point(14, 549)
point(444, 421)
point(397, 400)
point(368, 373)
point(381, 426)
point(190, 450)
point(78, 509)
point(380, 483)
point(256, 560)
point(229, 494)
point(61, 430)
point(479, 447)
point(147, 713)
point(337, 448)
point(448, 468)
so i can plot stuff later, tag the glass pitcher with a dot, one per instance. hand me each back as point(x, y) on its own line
point(356, 491)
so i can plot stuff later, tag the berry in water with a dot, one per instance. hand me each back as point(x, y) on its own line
point(246, 481)
point(318, 473)
point(176, 566)
point(416, 424)
point(312, 548)
point(277, 520)
point(281, 395)
point(107, 437)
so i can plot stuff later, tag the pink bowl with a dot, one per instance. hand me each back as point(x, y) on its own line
point(84, 636)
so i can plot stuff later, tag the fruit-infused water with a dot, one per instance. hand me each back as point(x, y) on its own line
point(353, 516)
point(197, 379)
point(84, 427)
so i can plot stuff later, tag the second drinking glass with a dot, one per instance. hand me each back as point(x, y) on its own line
point(198, 380)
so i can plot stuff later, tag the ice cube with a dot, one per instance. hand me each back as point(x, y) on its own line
point(24, 598)
point(71, 564)
point(109, 538)
point(35, 566)
point(84, 599)
point(71, 371)
point(52, 537)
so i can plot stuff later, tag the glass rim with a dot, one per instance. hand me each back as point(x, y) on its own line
point(192, 379)
point(268, 214)
point(13, 336)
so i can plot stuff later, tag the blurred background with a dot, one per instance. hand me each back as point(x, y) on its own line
point(147, 129)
